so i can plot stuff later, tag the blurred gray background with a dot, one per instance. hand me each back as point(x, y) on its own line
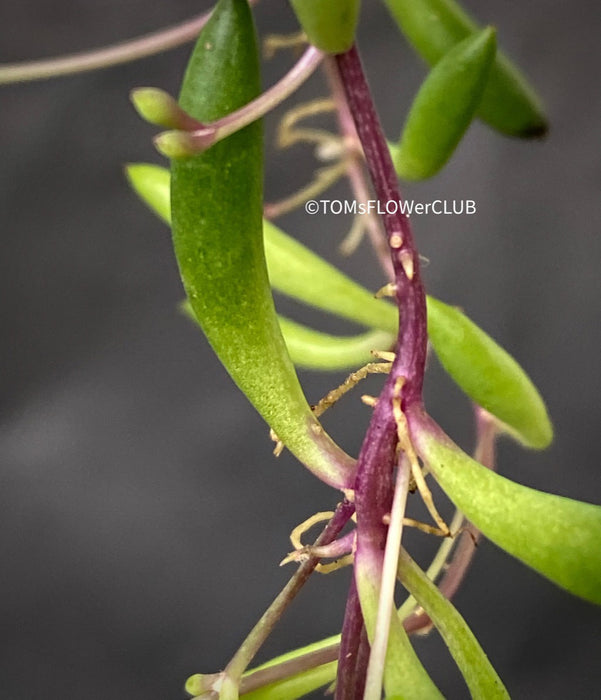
point(142, 514)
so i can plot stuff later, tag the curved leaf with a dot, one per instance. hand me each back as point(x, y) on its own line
point(294, 269)
point(300, 273)
point(152, 183)
point(316, 350)
point(295, 686)
point(488, 374)
point(444, 107)
point(481, 678)
point(216, 207)
point(313, 349)
point(558, 537)
point(404, 675)
point(433, 27)
point(328, 25)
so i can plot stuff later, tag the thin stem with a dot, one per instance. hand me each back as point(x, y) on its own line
point(198, 140)
point(373, 486)
point(124, 52)
point(412, 342)
point(355, 172)
point(251, 645)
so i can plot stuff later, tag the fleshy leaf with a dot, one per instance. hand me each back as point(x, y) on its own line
point(295, 686)
point(152, 183)
point(444, 107)
point(481, 678)
point(488, 374)
point(313, 349)
point(328, 25)
point(300, 273)
point(433, 27)
point(216, 207)
point(404, 675)
point(290, 264)
point(316, 350)
point(558, 537)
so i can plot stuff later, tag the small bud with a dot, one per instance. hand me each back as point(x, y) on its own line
point(201, 683)
point(159, 108)
point(181, 144)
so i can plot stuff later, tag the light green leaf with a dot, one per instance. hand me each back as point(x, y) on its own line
point(295, 686)
point(315, 350)
point(488, 374)
point(404, 675)
point(290, 264)
point(481, 678)
point(558, 537)
point(152, 183)
point(328, 25)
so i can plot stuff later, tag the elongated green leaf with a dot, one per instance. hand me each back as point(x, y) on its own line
point(313, 349)
point(296, 686)
point(433, 27)
point(294, 270)
point(216, 207)
point(488, 374)
point(328, 25)
point(558, 537)
point(481, 678)
point(152, 183)
point(404, 675)
point(444, 107)
point(299, 273)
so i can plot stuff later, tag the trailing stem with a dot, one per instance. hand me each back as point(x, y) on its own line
point(374, 482)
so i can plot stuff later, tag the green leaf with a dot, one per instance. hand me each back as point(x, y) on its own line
point(300, 273)
point(433, 27)
point(444, 107)
point(295, 686)
point(152, 183)
point(294, 270)
point(488, 374)
point(328, 25)
point(313, 349)
point(481, 678)
point(558, 537)
point(404, 675)
point(216, 207)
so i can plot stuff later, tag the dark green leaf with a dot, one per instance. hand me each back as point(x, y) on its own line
point(433, 27)
point(444, 107)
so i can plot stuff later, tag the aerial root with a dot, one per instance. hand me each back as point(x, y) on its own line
point(406, 445)
point(341, 549)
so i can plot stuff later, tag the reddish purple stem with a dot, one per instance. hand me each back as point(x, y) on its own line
point(374, 482)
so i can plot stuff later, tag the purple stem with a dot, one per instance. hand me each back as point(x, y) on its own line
point(374, 482)
point(352, 656)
